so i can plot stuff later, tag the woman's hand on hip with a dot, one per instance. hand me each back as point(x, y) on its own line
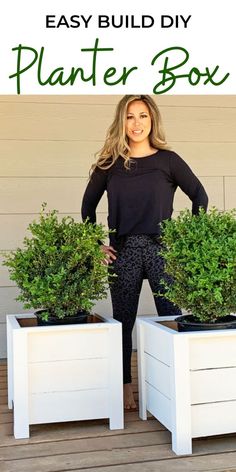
point(109, 252)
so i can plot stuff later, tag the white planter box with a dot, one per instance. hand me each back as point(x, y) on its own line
point(64, 373)
point(187, 380)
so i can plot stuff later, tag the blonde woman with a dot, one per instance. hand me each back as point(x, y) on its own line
point(140, 175)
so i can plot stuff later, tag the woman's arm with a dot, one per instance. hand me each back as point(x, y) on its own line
point(183, 177)
point(93, 194)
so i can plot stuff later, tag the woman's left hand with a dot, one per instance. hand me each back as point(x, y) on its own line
point(109, 252)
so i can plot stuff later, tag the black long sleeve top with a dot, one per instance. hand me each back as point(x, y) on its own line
point(141, 197)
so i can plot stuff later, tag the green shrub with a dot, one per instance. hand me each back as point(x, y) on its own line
point(200, 256)
point(60, 266)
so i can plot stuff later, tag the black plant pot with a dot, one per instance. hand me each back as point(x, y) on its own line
point(188, 323)
point(79, 318)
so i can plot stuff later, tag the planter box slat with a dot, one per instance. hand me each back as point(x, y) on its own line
point(69, 347)
point(159, 406)
point(157, 345)
point(212, 352)
point(68, 406)
point(213, 418)
point(68, 375)
point(213, 385)
point(158, 375)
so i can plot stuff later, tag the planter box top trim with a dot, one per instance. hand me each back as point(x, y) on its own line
point(164, 323)
point(27, 322)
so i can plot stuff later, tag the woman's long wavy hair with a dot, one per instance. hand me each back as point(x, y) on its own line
point(117, 143)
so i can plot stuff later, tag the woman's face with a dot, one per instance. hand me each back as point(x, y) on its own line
point(138, 122)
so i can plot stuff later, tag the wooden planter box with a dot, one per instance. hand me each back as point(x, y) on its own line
point(64, 373)
point(187, 380)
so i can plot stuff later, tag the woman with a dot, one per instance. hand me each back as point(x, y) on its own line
point(140, 175)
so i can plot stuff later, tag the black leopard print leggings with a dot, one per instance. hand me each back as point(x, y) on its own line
point(137, 259)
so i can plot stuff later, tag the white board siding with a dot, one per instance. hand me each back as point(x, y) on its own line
point(213, 101)
point(4, 275)
point(8, 302)
point(54, 121)
point(47, 158)
point(46, 121)
point(230, 192)
point(212, 159)
point(64, 194)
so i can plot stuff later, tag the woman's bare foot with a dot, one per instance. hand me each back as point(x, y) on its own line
point(129, 402)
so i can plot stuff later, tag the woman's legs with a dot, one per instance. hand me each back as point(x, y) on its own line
point(154, 268)
point(137, 258)
point(125, 290)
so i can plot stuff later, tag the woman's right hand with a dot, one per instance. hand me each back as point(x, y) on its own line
point(109, 252)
